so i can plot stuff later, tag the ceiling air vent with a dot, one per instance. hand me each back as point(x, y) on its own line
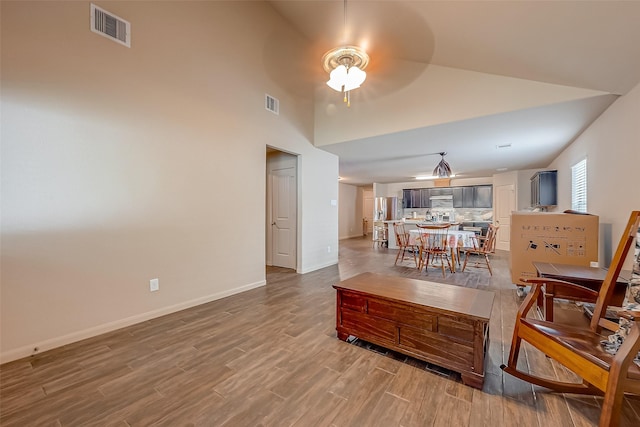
point(111, 26)
point(272, 104)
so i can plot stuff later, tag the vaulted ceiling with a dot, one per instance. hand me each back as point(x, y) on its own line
point(466, 77)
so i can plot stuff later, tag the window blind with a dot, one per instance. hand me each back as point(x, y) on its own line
point(579, 186)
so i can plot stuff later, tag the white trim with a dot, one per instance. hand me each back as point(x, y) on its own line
point(52, 343)
point(317, 267)
point(351, 236)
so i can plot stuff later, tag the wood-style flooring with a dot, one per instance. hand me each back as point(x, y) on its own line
point(270, 357)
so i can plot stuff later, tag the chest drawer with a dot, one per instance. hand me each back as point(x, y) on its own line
point(368, 327)
point(352, 301)
point(402, 314)
point(459, 329)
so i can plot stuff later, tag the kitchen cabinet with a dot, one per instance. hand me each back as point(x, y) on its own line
point(425, 197)
point(544, 188)
point(483, 197)
point(468, 195)
point(406, 199)
point(476, 196)
point(441, 191)
point(411, 198)
point(479, 196)
point(458, 193)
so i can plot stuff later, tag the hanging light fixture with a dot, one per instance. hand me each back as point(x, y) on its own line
point(345, 66)
point(442, 170)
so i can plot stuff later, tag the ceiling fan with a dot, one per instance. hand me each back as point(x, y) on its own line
point(391, 34)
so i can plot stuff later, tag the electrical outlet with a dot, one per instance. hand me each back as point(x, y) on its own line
point(154, 285)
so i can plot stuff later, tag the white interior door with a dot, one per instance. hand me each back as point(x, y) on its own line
point(367, 209)
point(505, 204)
point(283, 217)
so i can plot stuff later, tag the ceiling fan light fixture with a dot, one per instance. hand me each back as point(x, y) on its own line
point(355, 77)
point(442, 170)
point(345, 66)
point(337, 77)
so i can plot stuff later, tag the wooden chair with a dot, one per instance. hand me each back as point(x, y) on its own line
point(434, 244)
point(402, 240)
point(579, 349)
point(482, 246)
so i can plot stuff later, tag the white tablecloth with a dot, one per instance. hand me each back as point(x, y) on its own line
point(457, 238)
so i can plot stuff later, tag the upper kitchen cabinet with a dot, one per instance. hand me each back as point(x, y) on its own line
point(406, 199)
point(468, 197)
point(441, 191)
point(544, 189)
point(458, 195)
point(411, 198)
point(425, 197)
point(479, 196)
point(483, 197)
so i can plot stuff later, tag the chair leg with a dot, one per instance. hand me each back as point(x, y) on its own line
point(466, 258)
point(611, 408)
point(397, 256)
point(486, 258)
point(514, 351)
point(442, 265)
point(426, 262)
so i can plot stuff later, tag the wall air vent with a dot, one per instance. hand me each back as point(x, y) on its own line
point(111, 26)
point(272, 104)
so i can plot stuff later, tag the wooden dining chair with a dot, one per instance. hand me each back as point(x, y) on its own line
point(402, 240)
point(482, 247)
point(580, 349)
point(434, 244)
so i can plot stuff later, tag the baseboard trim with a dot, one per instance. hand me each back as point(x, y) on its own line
point(317, 267)
point(52, 343)
point(353, 236)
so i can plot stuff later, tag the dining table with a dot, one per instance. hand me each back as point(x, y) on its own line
point(456, 240)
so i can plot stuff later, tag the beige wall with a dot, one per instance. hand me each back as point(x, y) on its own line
point(350, 225)
point(612, 148)
point(121, 165)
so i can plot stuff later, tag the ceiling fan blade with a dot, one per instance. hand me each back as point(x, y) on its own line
point(398, 40)
point(397, 158)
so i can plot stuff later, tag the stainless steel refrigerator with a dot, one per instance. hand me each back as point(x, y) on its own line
point(385, 209)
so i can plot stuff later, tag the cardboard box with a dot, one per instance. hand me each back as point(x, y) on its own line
point(551, 237)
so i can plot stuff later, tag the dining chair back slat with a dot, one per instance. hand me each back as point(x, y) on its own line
point(434, 244)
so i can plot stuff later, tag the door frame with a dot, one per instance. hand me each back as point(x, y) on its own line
point(503, 239)
point(271, 153)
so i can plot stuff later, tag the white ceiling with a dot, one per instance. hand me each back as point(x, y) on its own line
point(591, 45)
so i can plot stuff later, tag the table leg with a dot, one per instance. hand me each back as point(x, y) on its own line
point(453, 260)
